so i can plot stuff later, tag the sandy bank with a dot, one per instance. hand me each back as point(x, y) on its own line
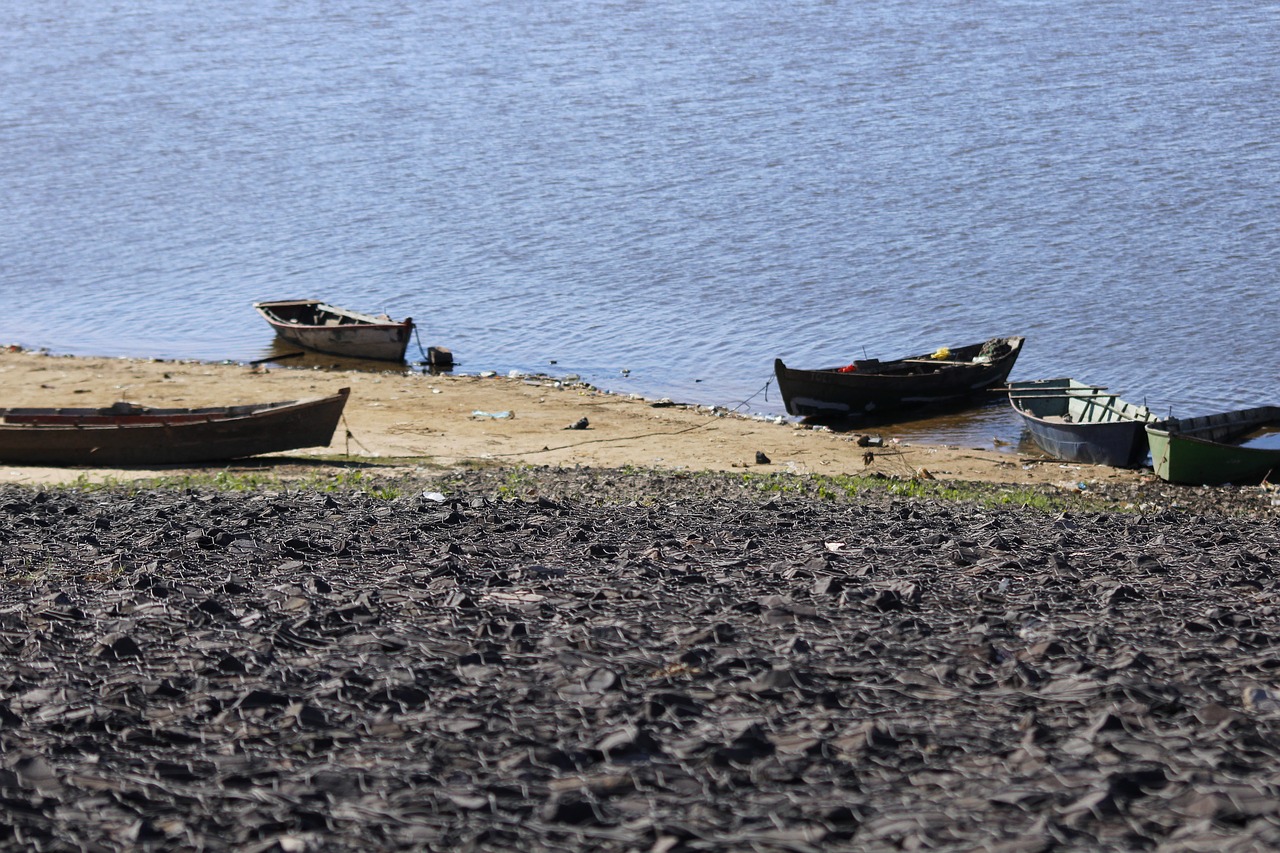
point(432, 421)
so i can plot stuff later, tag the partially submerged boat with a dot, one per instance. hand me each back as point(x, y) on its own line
point(1211, 450)
point(322, 327)
point(126, 434)
point(1076, 422)
point(870, 387)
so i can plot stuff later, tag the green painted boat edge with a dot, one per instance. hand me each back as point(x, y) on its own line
point(1197, 462)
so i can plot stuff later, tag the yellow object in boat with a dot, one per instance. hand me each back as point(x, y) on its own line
point(941, 354)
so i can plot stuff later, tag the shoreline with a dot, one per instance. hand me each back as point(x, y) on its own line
point(440, 422)
point(408, 425)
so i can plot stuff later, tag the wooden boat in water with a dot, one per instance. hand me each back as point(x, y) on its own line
point(125, 434)
point(1075, 422)
point(1210, 450)
point(871, 387)
point(319, 326)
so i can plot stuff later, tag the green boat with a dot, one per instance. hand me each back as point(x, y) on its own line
point(1209, 450)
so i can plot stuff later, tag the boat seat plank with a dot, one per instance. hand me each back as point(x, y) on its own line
point(1091, 397)
point(937, 361)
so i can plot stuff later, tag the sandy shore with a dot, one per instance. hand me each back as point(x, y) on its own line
point(420, 420)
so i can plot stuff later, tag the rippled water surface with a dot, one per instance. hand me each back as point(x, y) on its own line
point(658, 196)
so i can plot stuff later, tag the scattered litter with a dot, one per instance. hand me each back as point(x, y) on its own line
point(437, 497)
point(761, 458)
point(580, 423)
point(496, 415)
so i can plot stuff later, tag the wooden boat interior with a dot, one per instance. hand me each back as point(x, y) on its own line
point(320, 314)
point(1236, 427)
point(974, 355)
point(121, 414)
point(1092, 407)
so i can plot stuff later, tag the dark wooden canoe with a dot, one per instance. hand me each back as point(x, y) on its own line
point(319, 326)
point(1210, 450)
point(871, 387)
point(129, 435)
point(1075, 422)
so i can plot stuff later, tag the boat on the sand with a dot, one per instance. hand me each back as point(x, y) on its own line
point(126, 434)
point(325, 328)
point(1211, 450)
point(870, 387)
point(1076, 422)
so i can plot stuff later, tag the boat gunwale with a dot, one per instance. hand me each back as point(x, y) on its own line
point(69, 419)
point(364, 321)
point(51, 419)
point(1108, 402)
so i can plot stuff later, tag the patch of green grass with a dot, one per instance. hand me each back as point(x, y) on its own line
point(249, 481)
point(849, 486)
point(523, 483)
point(518, 483)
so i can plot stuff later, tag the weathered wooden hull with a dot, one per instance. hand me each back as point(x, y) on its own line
point(125, 435)
point(1200, 451)
point(1075, 422)
point(315, 325)
point(873, 388)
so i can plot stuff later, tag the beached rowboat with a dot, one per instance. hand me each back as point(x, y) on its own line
point(129, 435)
point(319, 326)
point(1210, 450)
point(1075, 422)
point(871, 387)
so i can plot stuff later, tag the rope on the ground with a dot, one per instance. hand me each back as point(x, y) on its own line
point(351, 437)
point(628, 437)
point(602, 441)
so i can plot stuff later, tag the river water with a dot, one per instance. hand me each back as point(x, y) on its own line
point(658, 196)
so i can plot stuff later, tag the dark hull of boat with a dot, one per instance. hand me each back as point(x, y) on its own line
point(1080, 423)
point(873, 388)
point(125, 436)
point(314, 325)
point(1201, 451)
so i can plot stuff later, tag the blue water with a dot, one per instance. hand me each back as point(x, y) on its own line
point(659, 196)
